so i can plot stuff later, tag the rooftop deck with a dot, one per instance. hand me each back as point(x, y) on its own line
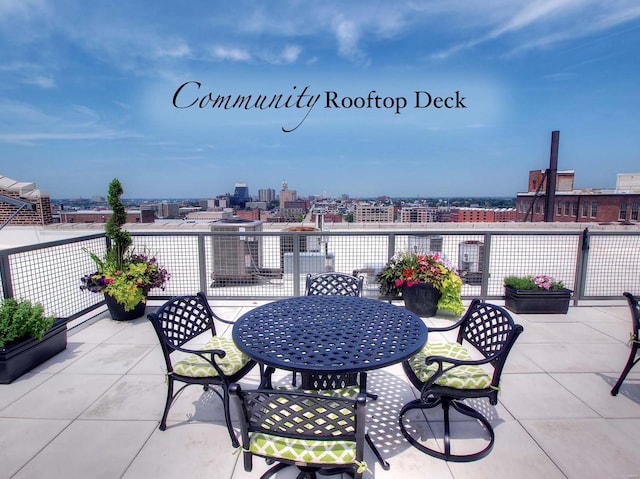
point(93, 410)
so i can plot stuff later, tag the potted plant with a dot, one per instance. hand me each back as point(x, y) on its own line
point(426, 282)
point(536, 294)
point(122, 275)
point(28, 337)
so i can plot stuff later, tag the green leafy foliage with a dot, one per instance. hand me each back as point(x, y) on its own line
point(120, 239)
point(122, 274)
point(21, 319)
point(408, 268)
point(533, 282)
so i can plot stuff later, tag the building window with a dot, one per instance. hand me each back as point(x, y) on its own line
point(634, 211)
point(594, 209)
point(623, 211)
point(567, 206)
point(559, 212)
point(585, 209)
point(575, 209)
point(537, 207)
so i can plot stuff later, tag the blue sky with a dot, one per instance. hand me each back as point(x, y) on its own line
point(87, 94)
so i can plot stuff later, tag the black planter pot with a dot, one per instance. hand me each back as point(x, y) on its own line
point(19, 357)
point(421, 299)
point(119, 314)
point(536, 301)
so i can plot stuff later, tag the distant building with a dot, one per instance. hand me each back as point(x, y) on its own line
point(482, 215)
point(102, 216)
point(365, 213)
point(168, 210)
point(582, 205)
point(210, 215)
point(420, 214)
point(302, 205)
point(13, 196)
point(267, 195)
point(287, 195)
point(240, 195)
point(261, 205)
point(250, 214)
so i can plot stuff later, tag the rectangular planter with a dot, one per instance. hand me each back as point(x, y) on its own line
point(19, 357)
point(537, 301)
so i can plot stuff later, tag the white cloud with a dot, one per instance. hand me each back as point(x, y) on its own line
point(291, 53)
point(42, 81)
point(233, 54)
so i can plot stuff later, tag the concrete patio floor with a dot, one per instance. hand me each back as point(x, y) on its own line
point(93, 410)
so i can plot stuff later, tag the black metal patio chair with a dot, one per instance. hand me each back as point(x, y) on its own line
point(218, 363)
point(314, 432)
point(334, 284)
point(446, 373)
point(634, 340)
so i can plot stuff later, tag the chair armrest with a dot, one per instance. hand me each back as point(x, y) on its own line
point(454, 363)
point(207, 354)
point(448, 328)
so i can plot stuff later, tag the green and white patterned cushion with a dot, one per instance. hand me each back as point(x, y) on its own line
point(196, 367)
point(460, 377)
point(303, 450)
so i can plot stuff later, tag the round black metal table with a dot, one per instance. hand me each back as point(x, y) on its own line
point(329, 334)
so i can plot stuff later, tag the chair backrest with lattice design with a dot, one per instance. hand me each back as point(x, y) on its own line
point(181, 319)
point(301, 415)
point(334, 284)
point(491, 330)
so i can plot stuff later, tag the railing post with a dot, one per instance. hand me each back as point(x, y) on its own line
point(581, 267)
point(5, 274)
point(296, 264)
point(484, 286)
point(202, 264)
point(392, 246)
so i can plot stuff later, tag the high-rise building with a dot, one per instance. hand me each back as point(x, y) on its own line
point(240, 195)
point(267, 195)
point(286, 194)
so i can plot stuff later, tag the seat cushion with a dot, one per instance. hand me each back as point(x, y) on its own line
point(303, 450)
point(196, 367)
point(461, 377)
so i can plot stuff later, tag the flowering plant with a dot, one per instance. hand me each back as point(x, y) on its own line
point(122, 274)
point(128, 281)
point(406, 268)
point(538, 281)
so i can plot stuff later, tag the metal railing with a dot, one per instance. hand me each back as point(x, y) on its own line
point(596, 265)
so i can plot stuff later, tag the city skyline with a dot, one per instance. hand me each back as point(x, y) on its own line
point(405, 99)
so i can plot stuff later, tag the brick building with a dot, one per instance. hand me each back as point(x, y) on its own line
point(14, 194)
point(583, 205)
point(482, 215)
point(252, 214)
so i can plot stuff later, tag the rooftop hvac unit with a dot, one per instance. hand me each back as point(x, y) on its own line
point(306, 243)
point(236, 258)
point(470, 259)
point(425, 243)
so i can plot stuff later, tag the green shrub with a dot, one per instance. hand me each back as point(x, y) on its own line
point(539, 281)
point(21, 319)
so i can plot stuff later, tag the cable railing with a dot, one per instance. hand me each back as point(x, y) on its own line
point(596, 265)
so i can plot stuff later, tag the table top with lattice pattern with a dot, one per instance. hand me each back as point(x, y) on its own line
point(329, 334)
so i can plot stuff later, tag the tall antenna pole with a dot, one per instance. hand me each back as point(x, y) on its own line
point(552, 172)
